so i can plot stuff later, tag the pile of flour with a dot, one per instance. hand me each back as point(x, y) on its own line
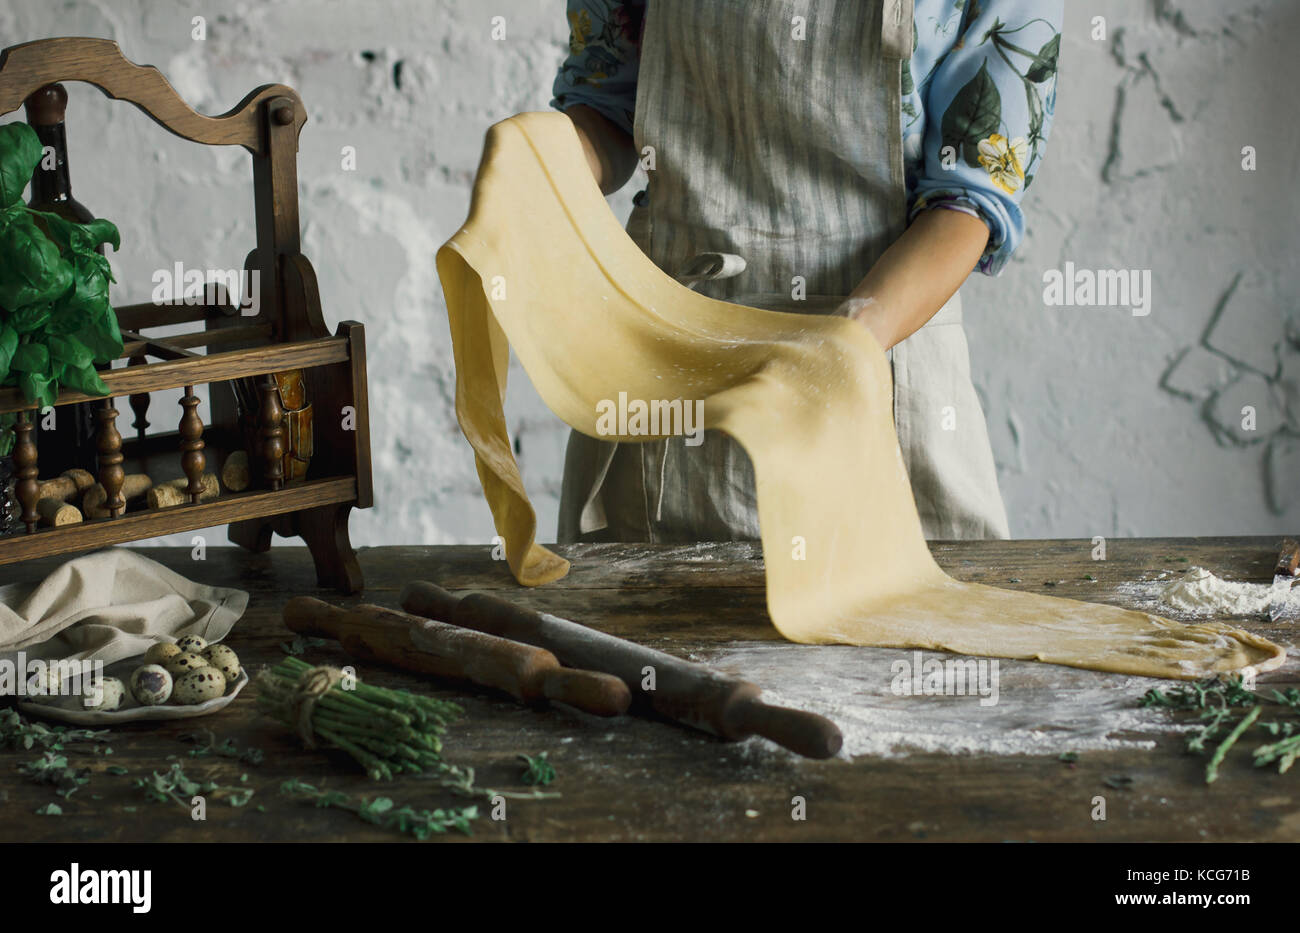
point(1198, 593)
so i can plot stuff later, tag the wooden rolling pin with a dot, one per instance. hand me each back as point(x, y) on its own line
point(412, 643)
point(689, 693)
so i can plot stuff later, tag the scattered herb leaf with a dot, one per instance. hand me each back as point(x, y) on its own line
point(383, 812)
point(298, 647)
point(1227, 711)
point(53, 769)
point(17, 732)
point(207, 741)
point(175, 785)
point(537, 771)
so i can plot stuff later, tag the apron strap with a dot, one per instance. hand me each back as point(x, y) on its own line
point(896, 29)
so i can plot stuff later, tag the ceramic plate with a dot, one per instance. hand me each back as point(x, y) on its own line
point(70, 709)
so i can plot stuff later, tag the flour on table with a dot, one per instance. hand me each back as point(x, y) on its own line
point(1199, 593)
point(1042, 709)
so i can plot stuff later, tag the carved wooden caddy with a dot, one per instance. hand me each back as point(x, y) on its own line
point(288, 333)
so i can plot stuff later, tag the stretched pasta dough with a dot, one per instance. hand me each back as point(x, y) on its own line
point(543, 264)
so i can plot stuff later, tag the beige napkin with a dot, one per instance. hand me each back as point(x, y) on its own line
point(110, 605)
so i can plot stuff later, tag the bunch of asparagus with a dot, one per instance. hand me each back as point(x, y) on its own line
point(386, 731)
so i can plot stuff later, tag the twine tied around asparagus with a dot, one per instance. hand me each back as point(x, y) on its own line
point(313, 684)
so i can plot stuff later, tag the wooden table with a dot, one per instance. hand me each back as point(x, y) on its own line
point(635, 779)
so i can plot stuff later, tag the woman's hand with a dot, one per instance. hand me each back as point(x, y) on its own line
point(864, 310)
point(610, 152)
point(917, 275)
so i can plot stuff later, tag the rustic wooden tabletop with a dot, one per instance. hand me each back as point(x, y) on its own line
point(637, 779)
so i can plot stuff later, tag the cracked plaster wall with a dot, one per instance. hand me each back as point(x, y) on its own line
point(1102, 423)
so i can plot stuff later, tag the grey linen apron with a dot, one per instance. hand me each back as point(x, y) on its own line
point(786, 152)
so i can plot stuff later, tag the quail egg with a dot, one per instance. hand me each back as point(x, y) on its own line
point(224, 660)
point(105, 695)
point(185, 662)
point(151, 685)
point(195, 643)
point(47, 682)
point(161, 652)
point(206, 683)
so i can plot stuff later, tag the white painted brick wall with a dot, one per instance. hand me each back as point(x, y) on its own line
point(1087, 441)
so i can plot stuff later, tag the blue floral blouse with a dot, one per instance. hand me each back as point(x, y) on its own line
point(978, 98)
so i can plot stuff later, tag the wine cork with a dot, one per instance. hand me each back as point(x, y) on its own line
point(56, 512)
point(68, 485)
point(234, 472)
point(133, 487)
point(83, 478)
point(165, 495)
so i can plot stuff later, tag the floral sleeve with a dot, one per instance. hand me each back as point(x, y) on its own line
point(604, 56)
point(980, 116)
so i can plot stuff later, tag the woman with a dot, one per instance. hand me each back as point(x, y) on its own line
point(858, 157)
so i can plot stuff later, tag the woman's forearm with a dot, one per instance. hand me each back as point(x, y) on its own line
point(609, 150)
point(917, 275)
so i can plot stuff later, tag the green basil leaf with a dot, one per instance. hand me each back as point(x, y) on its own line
point(68, 316)
point(84, 379)
point(101, 334)
point(20, 153)
point(70, 351)
point(78, 237)
point(8, 344)
point(12, 213)
point(37, 388)
point(31, 318)
point(31, 358)
point(90, 279)
point(32, 271)
point(85, 311)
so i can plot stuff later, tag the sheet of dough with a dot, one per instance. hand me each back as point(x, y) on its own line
point(543, 264)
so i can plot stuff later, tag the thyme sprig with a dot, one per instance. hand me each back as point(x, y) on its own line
point(173, 785)
point(206, 740)
point(298, 647)
point(53, 769)
point(1224, 706)
point(383, 812)
point(17, 732)
point(537, 770)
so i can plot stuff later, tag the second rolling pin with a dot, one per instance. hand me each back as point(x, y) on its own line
point(427, 647)
point(689, 693)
